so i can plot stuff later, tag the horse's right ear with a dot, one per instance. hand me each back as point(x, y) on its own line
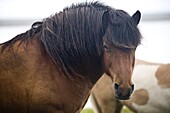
point(105, 20)
point(136, 17)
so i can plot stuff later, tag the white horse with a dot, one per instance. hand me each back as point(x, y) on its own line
point(151, 91)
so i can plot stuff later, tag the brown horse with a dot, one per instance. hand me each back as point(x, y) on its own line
point(151, 92)
point(52, 67)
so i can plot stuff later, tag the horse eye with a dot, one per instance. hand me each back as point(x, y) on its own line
point(105, 48)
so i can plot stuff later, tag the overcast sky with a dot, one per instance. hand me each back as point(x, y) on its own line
point(156, 37)
point(17, 9)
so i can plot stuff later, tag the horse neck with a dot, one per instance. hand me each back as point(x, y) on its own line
point(75, 90)
point(35, 72)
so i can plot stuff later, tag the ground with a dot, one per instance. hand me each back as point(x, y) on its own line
point(88, 110)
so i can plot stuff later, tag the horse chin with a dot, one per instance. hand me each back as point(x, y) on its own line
point(122, 98)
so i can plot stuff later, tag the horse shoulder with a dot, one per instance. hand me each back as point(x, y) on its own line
point(24, 72)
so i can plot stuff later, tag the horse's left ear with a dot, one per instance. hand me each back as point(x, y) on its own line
point(136, 17)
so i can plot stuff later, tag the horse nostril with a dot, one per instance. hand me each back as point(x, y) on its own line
point(116, 86)
point(132, 86)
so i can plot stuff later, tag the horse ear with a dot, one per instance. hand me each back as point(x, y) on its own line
point(136, 17)
point(105, 20)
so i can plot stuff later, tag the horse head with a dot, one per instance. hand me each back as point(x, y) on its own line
point(119, 44)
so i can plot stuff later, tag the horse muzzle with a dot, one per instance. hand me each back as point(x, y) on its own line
point(123, 93)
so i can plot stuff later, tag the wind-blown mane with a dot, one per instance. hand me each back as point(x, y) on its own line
point(74, 38)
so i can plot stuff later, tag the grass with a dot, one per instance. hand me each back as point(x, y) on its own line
point(88, 110)
point(124, 110)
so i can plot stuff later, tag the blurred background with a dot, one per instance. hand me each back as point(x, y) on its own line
point(17, 16)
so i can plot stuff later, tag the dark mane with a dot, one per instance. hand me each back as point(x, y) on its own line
point(73, 38)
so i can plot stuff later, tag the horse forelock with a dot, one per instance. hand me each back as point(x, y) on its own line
point(123, 32)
